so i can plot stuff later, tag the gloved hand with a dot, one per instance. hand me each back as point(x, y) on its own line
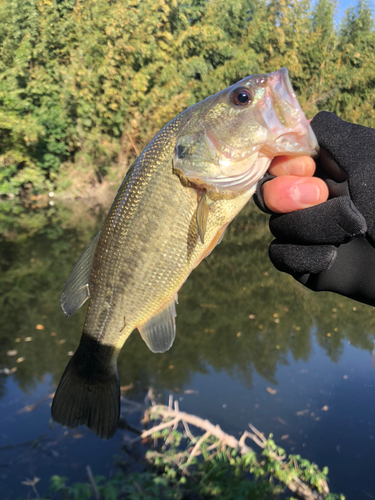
point(332, 246)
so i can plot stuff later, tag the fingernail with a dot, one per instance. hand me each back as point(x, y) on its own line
point(306, 193)
point(294, 168)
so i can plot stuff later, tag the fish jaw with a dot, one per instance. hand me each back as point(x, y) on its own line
point(225, 148)
point(289, 131)
point(255, 167)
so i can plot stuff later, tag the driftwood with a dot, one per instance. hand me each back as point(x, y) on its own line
point(94, 486)
point(172, 416)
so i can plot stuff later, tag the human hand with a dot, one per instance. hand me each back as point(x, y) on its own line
point(329, 246)
point(294, 186)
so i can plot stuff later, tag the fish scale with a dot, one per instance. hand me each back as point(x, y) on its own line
point(164, 260)
point(169, 213)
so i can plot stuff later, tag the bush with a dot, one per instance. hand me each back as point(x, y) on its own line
point(102, 77)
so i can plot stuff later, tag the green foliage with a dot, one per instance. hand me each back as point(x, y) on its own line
point(224, 474)
point(98, 77)
point(79, 491)
point(136, 486)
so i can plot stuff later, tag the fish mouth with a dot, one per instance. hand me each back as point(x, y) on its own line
point(280, 112)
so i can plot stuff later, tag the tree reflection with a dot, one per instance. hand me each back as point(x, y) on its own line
point(236, 314)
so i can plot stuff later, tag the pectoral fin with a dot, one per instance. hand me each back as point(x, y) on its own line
point(159, 332)
point(202, 216)
point(76, 289)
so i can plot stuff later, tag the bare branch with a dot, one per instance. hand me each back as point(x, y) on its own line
point(258, 433)
point(132, 143)
point(298, 487)
point(200, 441)
point(188, 433)
point(159, 427)
point(94, 486)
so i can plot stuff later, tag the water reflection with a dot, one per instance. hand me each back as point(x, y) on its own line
point(241, 328)
point(235, 314)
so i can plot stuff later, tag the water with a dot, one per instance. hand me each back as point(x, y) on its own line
point(252, 346)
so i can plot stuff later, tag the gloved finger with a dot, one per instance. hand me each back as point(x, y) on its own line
point(331, 167)
point(348, 143)
point(334, 222)
point(351, 274)
point(258, 195)
point(337, 189)
point(289, 193)
point(353, 148)
point(332, 174)
point(299, 260)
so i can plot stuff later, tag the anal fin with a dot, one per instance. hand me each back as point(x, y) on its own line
point(76, 289)
point(160, 331)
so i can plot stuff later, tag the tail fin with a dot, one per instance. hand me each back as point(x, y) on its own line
point(89, 390)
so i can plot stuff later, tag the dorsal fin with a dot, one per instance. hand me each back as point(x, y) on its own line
point(76, 289)
point(159, 332)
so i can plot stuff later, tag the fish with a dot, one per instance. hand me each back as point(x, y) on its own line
point(170, 212)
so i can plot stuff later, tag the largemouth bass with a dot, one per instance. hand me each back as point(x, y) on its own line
point(170, 212)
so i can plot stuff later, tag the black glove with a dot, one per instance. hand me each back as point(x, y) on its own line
point(332, 246)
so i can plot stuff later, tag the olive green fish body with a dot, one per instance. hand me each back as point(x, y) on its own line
point(170, 212)
point(149, 244)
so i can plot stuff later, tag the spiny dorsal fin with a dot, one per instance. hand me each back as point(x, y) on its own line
point(159, 332)
point(202, 216)
point(76, 289)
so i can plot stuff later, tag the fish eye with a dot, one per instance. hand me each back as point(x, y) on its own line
point(241, 97)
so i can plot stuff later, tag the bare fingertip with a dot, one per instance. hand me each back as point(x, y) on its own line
point(310, 192)
point(301, 166)
point(290, 193)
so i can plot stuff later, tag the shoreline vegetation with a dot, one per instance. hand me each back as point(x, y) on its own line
point(172, 459)
point(84, 86)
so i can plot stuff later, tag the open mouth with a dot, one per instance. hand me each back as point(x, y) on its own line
point(280, 110)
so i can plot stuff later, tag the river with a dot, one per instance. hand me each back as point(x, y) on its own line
point(252, 345)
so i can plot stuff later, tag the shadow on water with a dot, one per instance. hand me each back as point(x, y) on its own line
point(237, 316)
